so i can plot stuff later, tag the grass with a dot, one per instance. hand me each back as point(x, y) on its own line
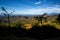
point(30, 22)
point(56, 25)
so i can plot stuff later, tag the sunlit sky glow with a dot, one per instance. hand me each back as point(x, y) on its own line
point(31, 7)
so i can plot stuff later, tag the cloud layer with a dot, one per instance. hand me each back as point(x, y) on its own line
point(39, 11)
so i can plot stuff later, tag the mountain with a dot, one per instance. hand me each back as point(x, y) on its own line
point(53, 13)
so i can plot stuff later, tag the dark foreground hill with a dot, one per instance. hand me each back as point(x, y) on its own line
point(35, 33)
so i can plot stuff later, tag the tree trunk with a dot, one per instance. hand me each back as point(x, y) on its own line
point(9, 20)
point(41, 21)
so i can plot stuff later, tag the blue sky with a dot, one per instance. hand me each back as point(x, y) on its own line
point(31, 7)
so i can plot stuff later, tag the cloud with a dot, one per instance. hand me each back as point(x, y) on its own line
point(38, 2)
point(57, 5)
point(40, 11)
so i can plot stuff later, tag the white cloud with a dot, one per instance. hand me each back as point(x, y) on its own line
point(40, 11)
point(38, 2)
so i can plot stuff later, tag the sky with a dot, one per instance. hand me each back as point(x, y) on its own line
point(30, 7)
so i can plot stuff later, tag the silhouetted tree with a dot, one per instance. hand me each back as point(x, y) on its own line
point(45, 17)
point(58, 18)
point(0, 20)
point(41, 17)
point(7, 14)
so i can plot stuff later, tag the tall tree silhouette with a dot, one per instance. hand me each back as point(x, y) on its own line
point(44, 16)
point(7, 14)
point(41, 17)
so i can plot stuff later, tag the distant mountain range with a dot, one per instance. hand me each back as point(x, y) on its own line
point(53, 13)
point(1, 15)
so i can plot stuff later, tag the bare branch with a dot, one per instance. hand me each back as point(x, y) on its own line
point(4, 9)
point(4, 14)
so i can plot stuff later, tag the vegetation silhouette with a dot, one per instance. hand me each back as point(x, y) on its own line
point(41, 18)
point(20, 31)
point(58, 19)
point(46, 31)
point(45, 16)
point(0, 20)
point(7, 14)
